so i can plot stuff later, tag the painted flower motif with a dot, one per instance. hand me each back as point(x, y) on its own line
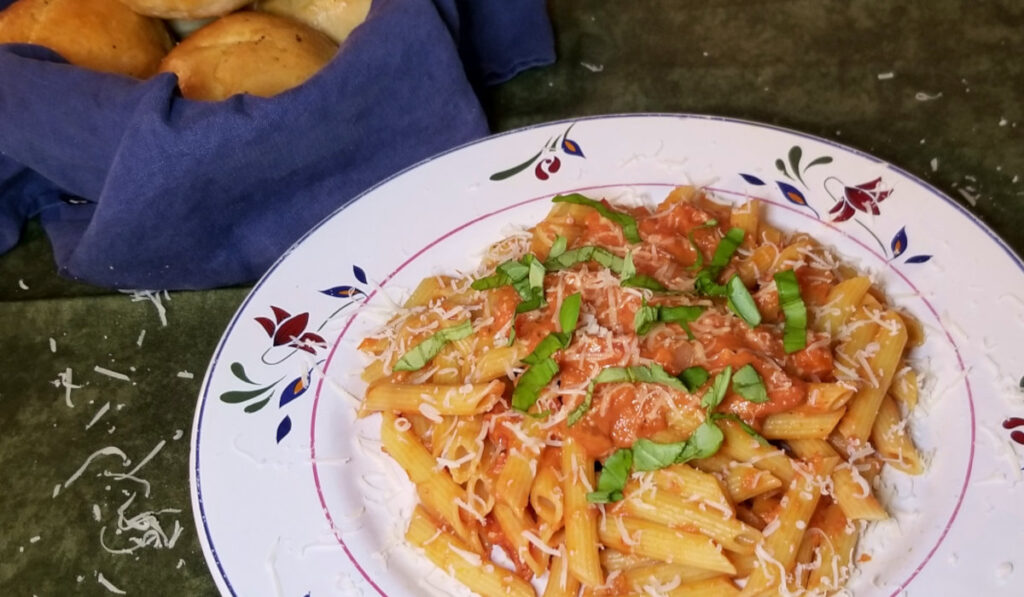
point(864, 198)
point(546, 167)
point(1013, 423)
point(545, 162)
point(290, 330)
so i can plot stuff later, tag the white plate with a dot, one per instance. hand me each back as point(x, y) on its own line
point(294, 498)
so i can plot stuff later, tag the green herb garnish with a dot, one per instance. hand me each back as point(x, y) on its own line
point(525, 276)
point(642, 281)
point(572, 257)
point(704, 442)
point(706, 280)
point(646, 455)
point(542, 367)
point(741, 303)
point(694, 378)
point(719, 387)
point(422, 353)
point(647, 315)
point(794, 336)
point(637, 374)
point(748, 384)
point(612, 480)
point(625, 221)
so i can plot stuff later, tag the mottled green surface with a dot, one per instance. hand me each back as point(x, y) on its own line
point(809, 65)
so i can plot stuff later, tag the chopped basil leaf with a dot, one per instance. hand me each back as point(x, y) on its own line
point(525, 276)
point(794, 336)
point(494, 280)
point(646, 455)
point(628, 268)
point(719, 386)
point(583, 254)
point(547, 347)
point(748, 384)
point(743, 425)
point(542, 368)
point(705, 442)
point(536, 275)
point(706, 280)
point(651, 456)
point(653, 373)
point(646, 316)
point(625, 221)
point(558, 247)
point(517, 273)
point(531, 382)
point(694, 378)
point(613, 477)
point(578, 412)
point(704, 283)
point(726, 247)
point(682, 314)
point(419, 355)
point(527, 280)
point(741, 303)
point(642, 281)
point(536, 301)
point(638, 374)
point(569, 313)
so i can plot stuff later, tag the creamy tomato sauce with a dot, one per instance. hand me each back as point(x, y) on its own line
point(677, 239)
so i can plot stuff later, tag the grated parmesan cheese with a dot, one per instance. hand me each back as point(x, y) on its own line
point(111, 373)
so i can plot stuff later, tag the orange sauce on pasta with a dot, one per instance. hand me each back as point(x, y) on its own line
point(619, 415)
point(536, 457)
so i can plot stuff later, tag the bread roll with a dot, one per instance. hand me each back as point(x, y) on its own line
point(247, 52)
point(336, 18)
point(184, 9)
point(103, 35)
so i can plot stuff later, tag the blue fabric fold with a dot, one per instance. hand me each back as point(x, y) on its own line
point(138, 187)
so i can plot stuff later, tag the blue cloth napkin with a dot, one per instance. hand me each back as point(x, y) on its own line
point(138, 187)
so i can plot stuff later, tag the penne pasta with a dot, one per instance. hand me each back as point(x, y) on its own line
point(662, 543)
point(472, 569)
point(801, 424)
point(892, 441)
point(441, 496)
point(854, 495)
point(671, 510)
point(745, 481)
point(843, 299)
point(546, 497)
point(662, 577)
point(860, 416)
point(560, 582)
point(678, 400)
point(467, 399)
point(825, 397)
point(777, 555)
point(580, 515)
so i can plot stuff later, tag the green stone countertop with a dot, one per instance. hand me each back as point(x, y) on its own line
point(933, 86)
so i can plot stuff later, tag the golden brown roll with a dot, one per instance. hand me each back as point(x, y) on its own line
point(184, 9)
point(103, 35)
point(336, 18)
point(247, 52)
